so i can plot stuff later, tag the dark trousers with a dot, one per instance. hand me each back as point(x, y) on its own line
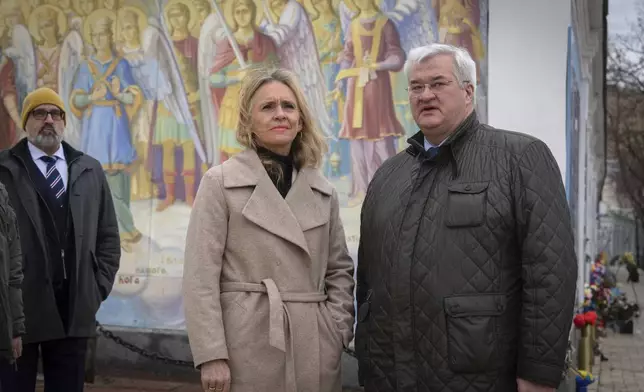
point(7, 376)
point(63, 363)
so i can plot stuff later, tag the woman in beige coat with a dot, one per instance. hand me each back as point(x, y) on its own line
point(268, 281)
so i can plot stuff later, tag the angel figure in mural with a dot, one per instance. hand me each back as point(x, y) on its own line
point(289, 25)
point(132, 26)
point(57, 51)
point(458, 26)
point(371, 51)
point(416, 23)
point(182, 155)
point(17, 75)
point(104, 96)
point(202, 9)
point(328, 33)
point(240, 45)
point(148, 50)
point(19, 47)
point(48, 26)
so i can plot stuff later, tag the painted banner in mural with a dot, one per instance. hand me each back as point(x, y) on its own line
point(573, 117)
point(151, 90)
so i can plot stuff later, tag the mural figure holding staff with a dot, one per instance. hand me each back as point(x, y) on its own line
point(180, 141)
point(240, 46)
point(372, 49)
point(106, 98)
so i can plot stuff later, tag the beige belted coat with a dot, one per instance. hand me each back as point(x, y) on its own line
point(268, 281)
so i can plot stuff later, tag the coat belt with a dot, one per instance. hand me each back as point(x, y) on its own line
point(280, 335)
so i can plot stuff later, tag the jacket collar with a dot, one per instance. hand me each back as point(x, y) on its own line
point(19, 154)
point(464, 129)
point(449, 148)
point(288, 217)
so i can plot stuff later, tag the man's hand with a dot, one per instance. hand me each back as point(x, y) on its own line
point(215, 376)
point(16, 346)
point(527, 386)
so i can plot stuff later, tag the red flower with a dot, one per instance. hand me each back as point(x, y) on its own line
point(590, 317)
point(579, 321)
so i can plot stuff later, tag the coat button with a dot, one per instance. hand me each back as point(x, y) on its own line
point(468, 187)
point(453, 360)
point(499, 307)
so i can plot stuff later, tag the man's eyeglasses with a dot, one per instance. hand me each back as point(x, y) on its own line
point(41, 114)
point(436, 87)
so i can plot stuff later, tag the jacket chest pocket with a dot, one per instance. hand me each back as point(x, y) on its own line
point(472, 331)
point(466, 204)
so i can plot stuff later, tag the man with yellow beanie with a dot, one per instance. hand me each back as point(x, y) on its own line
point(69, 234)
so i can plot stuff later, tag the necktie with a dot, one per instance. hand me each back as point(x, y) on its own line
point(432, 152)
point(52, 175)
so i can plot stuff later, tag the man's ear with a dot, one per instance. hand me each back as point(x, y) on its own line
point(469, 91)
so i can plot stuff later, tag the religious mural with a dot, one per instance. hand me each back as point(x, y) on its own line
point(151, 88)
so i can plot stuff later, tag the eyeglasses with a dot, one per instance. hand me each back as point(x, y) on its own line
point(41, 114)
point(436, 87)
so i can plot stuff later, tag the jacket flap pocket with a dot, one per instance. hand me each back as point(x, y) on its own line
point(469, 187)
point(475, 305)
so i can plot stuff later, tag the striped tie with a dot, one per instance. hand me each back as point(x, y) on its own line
point(53, 177)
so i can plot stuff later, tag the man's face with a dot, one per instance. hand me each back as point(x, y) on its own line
point(438, 103)
point(101, 38)
point(45, 126)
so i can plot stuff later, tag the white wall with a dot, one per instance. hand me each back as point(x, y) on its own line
point(527, 54)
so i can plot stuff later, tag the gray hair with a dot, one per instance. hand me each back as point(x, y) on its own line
point(464, 65)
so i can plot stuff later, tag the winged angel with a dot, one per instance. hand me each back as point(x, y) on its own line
point(226, 55)
point(415, 20)
point(23, 54)
point(293, 34)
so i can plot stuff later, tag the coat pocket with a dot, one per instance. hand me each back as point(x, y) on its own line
point(331, 324)
point(466, 204)
point(472, 331)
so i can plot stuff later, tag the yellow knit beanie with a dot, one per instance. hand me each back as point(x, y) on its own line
point(41, 96)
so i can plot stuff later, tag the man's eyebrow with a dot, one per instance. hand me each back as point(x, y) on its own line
point(433, 79)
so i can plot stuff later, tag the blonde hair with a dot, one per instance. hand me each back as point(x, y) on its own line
point(308, 146)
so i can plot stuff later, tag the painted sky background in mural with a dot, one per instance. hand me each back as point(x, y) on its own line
point(151, 90)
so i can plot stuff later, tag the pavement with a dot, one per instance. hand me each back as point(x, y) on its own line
point(624, 370)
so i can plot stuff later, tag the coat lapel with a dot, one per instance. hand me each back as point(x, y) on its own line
point(287, 218)
point(306, 206)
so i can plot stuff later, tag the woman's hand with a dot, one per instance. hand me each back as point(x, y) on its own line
point(215, 376)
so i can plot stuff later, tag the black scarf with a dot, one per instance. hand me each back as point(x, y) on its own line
point(283, 176)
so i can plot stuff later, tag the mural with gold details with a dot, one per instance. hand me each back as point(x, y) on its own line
point(151, 89)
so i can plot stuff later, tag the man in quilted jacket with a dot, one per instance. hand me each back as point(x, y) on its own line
point(466, 266)
point(12, 320)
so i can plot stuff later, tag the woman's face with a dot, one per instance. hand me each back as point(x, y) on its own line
point(275, 117)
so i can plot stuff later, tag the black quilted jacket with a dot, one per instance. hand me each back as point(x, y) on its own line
point(466, 266)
